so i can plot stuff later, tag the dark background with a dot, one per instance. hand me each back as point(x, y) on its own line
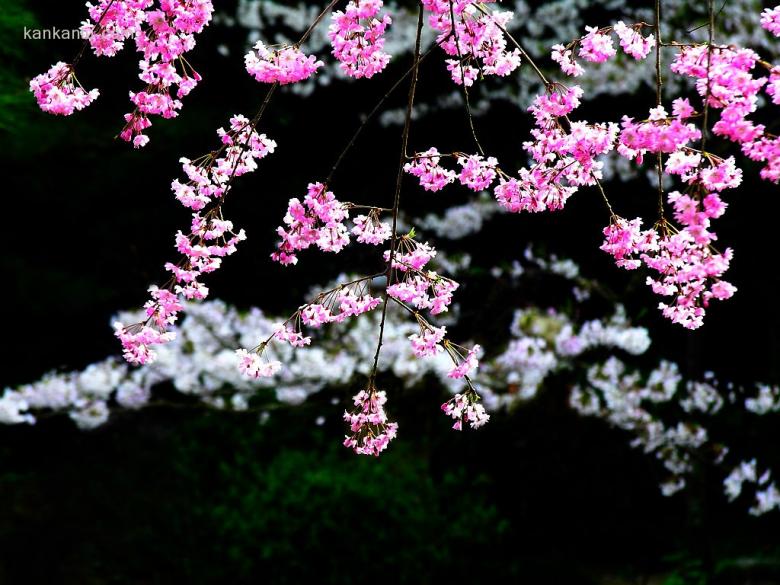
point(181, 495)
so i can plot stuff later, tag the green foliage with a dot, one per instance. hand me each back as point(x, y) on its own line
point(687, 571)
point(321, 513)
point(15, 102)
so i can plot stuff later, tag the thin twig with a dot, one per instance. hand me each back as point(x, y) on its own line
point(85, 43)
point(706, 111)
point(548, 85)
point(463, 81)
point(251, 125)
point(373, 112)
point(519, 47)
point(659, 82)
point(398, 183)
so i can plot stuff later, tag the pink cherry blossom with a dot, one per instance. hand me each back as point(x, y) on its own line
point(58, 91)
point(357, 36)
point(424, 290)
point(369, 230)
point(286, 333)
point(624, 240)
point(632, 42)
point(351, 305)
point(465, 408)
point(476, 44)
point(428, 342)
point(773, 85)
point(565, 159)
point(659, 133)
point(596, 46)
point(138, 340)
point(163, 32)
point(412, 255)
point(315, 315)
point(368, 423)
point(733, 89)
point(565, 59)
point(426, 167)
point(721, 175)
point(112, 23)
point(318, 220)
point(285, 65)
point(477, 174)
point(467, 364)
point(251, 365)
point(689, 268)
point(770, 20)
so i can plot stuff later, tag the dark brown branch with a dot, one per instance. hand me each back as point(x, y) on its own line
point(398, 183)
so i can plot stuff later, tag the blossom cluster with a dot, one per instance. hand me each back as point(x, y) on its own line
point(426, 167)
point(318, 220)
point(689, 268)
point(625, 398)
point(210, 236)
point(368, 423)
point(767, 400)
point(357, 38)
point(369, 229)
point(414, 285)
point(474, 38)
point(163, 32)
point(427, 343)
point(252, 366)
point(565, 156)
point(659, 133)
point(767, 494)
point(620, 396)
point(285, 65)
point(770, 20)
point(477, 172)
point(464, 408)
point(597, 46)
point(58, 91)
point(334, 306)
point(725, 81)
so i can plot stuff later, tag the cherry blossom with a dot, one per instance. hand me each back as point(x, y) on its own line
point(318, 220)
point(252, 366)
point(565, 159)
point(477, 174)
point(465, 408)
point(474, 38)
point(371, 431)
point(58, 91)
point(624, 240)
point(357, 37)
point(564, 57)
point(632, 42)
point(428, 342)
point(369, 230)
point(596, 46)
point(426, 167)
point(163, 32)
point(464, 364)
point(283, 66)
point(286, 333)
point(770, 20)
point(659, 133)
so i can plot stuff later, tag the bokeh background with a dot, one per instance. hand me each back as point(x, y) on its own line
point(185, 495)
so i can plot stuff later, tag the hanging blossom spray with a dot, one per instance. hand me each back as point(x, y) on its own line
point(677, 251)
